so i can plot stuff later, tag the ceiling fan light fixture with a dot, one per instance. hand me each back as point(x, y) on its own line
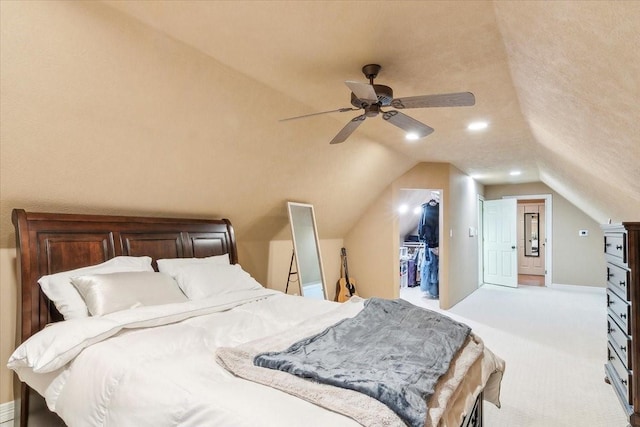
point(478, 125)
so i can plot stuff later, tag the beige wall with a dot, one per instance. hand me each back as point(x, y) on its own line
point(102, 114)
point(463, 253)
point(373, 242)
point(280, 259)
point(372, 247)
point(576, 260)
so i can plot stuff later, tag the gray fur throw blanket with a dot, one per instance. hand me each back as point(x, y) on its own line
point(392, 351)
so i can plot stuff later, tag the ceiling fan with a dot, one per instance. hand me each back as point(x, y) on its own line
point(373, 97)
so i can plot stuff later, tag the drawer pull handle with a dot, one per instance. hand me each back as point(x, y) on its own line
point(619, 247)
point(623, 316)
point(623, 348)
point(623, 382)
point(622, 283)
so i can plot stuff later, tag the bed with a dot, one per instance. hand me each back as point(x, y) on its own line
point(173, 363)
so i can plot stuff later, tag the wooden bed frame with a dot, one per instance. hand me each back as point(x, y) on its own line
point(48, 243)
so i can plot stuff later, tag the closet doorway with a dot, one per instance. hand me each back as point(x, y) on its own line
point(410, 209)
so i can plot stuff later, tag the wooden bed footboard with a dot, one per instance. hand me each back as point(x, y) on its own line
point(475, 417)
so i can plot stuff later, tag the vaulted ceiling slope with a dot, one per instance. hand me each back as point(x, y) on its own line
point(576, 70)
point(559, 82)
point(172, 108)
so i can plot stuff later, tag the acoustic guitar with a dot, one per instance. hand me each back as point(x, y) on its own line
point(346, 287)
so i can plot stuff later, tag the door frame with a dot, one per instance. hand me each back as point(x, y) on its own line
point(428, 193)
point(480, 233)
point(548, 211)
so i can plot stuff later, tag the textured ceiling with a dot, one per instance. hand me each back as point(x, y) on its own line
point(306, 50)
point(558, 82)
point(192, 92)
point(576, 69)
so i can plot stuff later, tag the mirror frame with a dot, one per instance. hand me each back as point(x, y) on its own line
point(529, 249)
point(295, 237)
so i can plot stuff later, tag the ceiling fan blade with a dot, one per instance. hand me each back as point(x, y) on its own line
point(461, 99)
point(407, 123)
point(339, 110)
point(363, 91)
point(348, 129)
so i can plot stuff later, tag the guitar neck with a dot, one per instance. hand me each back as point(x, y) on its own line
point(345, 265)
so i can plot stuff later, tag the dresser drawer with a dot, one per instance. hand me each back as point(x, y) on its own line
point(620, 341)
point(620, 310)
point(618, 280)
point(620, 384)
point(615, 245)
point(621, 376)
point(622, 255)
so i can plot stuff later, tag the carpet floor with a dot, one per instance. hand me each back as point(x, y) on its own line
point(553, 340)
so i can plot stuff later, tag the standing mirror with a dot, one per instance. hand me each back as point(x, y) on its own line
point(306, 247)
point(531, 231)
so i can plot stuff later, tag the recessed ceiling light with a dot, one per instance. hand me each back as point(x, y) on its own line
point(478, 125)
point(515, 173)
point(412, 136)
point(403, 208)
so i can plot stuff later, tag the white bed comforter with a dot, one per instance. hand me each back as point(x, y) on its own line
point(155, 366)
point(116, 371)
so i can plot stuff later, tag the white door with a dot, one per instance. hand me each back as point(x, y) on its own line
point(500, 240)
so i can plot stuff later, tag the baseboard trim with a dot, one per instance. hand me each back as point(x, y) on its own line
point(580, 288)
point(6, 411)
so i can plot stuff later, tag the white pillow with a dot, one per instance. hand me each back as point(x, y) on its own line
point(58, 288)
point(106, 293)
point(170, 266)
point(199, 281)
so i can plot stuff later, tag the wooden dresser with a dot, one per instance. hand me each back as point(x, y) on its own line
point(622, 252)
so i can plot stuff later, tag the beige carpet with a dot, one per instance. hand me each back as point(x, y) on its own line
point(553, 340)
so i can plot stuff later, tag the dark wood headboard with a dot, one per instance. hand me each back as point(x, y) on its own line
point(48, 243)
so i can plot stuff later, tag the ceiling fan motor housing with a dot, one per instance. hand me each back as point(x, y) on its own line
point(384, 94)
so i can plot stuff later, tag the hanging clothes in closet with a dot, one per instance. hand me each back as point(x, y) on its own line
point(429, 233)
